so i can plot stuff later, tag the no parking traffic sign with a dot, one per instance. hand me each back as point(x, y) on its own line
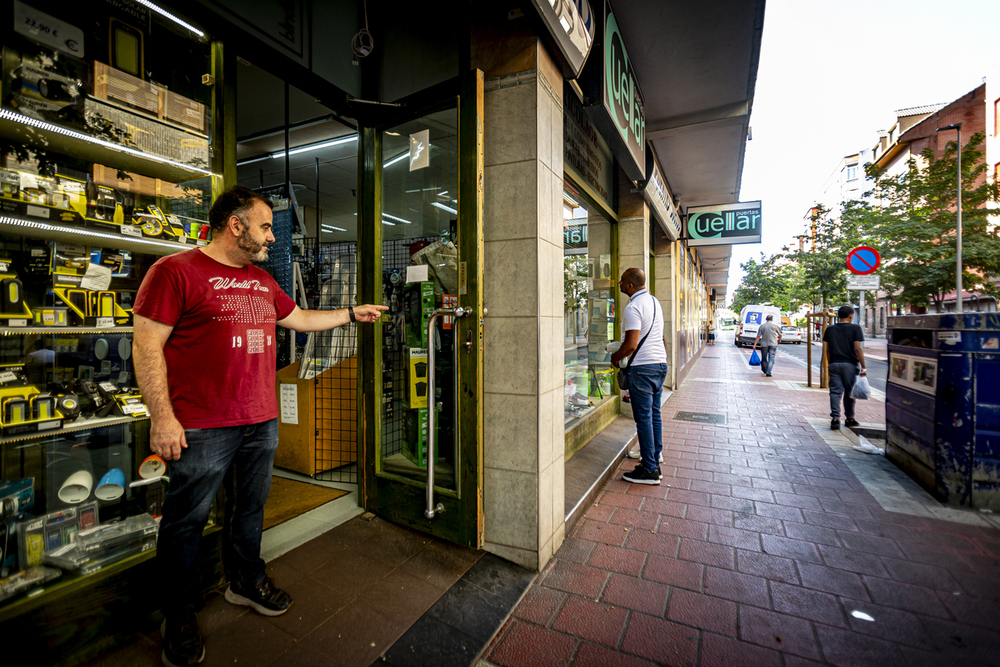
point(863, 260)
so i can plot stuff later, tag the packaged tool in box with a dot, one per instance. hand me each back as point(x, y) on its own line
point(131, 531)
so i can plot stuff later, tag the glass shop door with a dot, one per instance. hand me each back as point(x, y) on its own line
point(421, 248)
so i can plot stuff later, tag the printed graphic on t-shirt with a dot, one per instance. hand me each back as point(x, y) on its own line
point(255, 341)
point(246, 309)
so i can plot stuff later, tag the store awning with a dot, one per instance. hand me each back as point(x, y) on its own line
point(696, 63)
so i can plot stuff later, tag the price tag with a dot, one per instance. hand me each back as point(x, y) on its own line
point(48, 30)
point(132, 230)
point(7, 376)
point(48, 317)
point(132, 409)
point(105, 322)
point(17, 323)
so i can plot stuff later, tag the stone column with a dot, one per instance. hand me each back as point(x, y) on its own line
point(523, 497)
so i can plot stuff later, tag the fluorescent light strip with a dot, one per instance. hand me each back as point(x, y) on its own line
point(252, 160)
point(117, 238)
point(165, 13)
point(6, 114)
point(386, 222)
point(444, 208)
point(392, 217)
point(315, 147)
point(333, 229)
point(399, 158)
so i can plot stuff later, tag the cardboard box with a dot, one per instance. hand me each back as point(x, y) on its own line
point(326, 435)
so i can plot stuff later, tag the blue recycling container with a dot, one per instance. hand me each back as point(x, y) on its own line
point(942, 406)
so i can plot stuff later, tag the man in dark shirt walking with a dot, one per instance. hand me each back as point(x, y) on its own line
point(844, 352)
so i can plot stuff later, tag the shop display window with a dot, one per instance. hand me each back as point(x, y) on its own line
point(105, 165)
point(590, 297)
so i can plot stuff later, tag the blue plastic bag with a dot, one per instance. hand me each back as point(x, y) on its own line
point(754, 358)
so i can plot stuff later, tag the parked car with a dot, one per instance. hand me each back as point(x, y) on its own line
point(791, 335)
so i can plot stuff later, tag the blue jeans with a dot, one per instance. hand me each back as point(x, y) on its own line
point(241, 458)
point(842, 378)
point(767, 355)
point(645, 389)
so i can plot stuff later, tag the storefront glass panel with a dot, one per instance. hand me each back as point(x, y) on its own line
point(589, 292)
point(420, 274)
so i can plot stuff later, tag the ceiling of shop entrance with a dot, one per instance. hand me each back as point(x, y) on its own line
point(696, 63)
point(260, 119)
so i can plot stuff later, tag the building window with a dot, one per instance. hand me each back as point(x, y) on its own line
point(996, 118)
point(590, 294)
point(852, 172)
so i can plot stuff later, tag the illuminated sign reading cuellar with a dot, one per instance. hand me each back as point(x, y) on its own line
point(725, 224)
point(622, 99)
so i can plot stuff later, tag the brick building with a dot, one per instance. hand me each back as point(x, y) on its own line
point(971, 110)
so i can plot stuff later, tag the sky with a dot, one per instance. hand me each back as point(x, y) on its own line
point(831, 75)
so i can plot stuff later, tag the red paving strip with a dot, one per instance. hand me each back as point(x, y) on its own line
point(756, 549)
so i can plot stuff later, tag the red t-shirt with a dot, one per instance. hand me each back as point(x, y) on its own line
point(221, 353)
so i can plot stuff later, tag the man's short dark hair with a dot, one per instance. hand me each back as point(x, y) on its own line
point(769, 318)
point(845, 312)
point(237, 201)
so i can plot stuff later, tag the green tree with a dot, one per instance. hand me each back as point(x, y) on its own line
point(821, 264)
point(915, 215)
point(763, 282)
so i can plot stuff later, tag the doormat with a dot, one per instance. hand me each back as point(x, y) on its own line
point(289, 498)
point(703, 417)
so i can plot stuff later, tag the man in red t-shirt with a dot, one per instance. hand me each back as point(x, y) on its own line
point(204, 349)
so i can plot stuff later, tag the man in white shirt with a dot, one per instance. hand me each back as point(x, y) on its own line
point(647, 371)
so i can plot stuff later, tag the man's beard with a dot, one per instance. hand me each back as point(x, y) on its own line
point(256, 251)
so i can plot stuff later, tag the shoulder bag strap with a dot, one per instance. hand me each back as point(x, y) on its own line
point(637, 347)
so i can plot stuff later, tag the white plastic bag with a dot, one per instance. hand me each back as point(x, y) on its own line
point(862, 390)
point(612, 347)
point(865, 445)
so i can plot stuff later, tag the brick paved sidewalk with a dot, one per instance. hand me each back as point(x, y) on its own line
point(761, 547)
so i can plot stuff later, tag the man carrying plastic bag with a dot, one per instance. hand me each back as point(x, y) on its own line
point(842, 344)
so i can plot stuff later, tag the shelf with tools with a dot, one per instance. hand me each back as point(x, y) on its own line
point(106, 165)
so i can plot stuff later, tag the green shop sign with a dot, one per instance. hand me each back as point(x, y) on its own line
point(622, 99)
point(724, 224)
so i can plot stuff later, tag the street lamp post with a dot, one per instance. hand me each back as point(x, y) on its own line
point(958, 241)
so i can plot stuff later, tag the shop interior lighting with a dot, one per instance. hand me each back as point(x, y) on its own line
point(330, 228)
point(302, 149)
point(165, 13)
point(86, 233)
point(315, 147)
point(395, 219)
point(444, 208)
point(399, 158)
point(6, 114)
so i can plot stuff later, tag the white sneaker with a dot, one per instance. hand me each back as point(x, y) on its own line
point(634, 454)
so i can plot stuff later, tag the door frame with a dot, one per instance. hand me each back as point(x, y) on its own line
point(398, 500)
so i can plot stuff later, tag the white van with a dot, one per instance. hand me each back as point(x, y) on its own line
point(751, 317)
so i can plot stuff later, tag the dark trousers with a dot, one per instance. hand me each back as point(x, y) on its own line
point(842, 378)
point(241, 458)
point(645, 390)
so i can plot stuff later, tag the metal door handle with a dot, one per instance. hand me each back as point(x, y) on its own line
point(433, 509)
